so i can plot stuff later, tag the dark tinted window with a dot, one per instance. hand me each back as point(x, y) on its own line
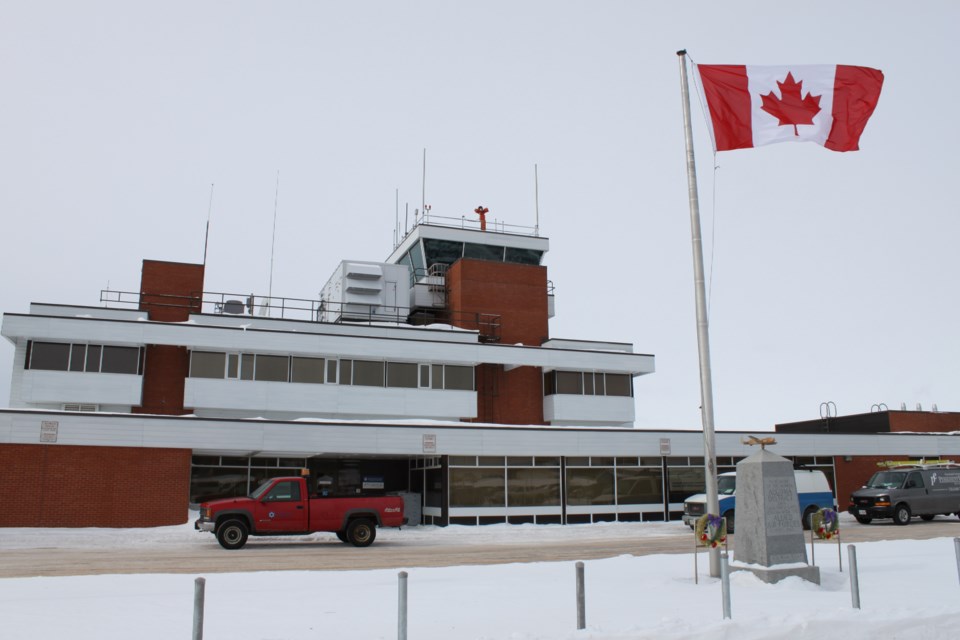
point(523, 256)
point(52, 356)
point(483, 252)
point(121, 360)
point(442, 251)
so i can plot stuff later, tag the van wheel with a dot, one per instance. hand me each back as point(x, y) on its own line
point(807, 518)
point(927, 517)
point(901, 515)
point(864, 519)
point(361, 533)
point(729, 515)
point(232, 534)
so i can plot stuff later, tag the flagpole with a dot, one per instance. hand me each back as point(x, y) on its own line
point(703, 333)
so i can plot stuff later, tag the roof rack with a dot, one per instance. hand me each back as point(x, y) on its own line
point(922, 463)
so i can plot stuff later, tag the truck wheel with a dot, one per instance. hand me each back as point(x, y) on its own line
point(927, 517)
point(361, 532)
point(232, 534)
point(901, 515)
point(807, 518)
point(729, 515)
point(863, 519)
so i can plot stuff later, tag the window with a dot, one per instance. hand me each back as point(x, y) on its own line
point(589, 486)
point(368, 373)
point(284, 492)
point(205, 364)
point(402, 374)
point(458, 378)
point(271, 368)
point(483, 252)
point(442, 251)
point(618, 384)
point(50, 356)
point(120, 360)
point(91, 358)
point(523, 256)
point(533, 487)
point(477, 487)
point(569, 382)
point(306, 370)
point(587, 383)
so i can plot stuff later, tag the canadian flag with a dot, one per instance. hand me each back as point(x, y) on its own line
point(752, 106)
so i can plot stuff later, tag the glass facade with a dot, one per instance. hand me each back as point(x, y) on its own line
point(88, 358)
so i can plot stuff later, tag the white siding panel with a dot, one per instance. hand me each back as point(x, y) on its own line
point(70, 386)
point(568, 409)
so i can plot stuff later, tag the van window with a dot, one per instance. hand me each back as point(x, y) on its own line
point(726, 485)
point(914, 481)
point(886, 480)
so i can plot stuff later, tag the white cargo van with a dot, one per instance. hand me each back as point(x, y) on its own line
point(813, 492)
point(903, 491)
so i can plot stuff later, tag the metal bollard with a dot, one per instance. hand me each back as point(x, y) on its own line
point(402, 607)
point(854, 580)
point(725, 584)
point(199, 587)
point(581, 599)
point(956, 548)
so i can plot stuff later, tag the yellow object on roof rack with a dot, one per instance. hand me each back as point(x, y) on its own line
point(921, 463)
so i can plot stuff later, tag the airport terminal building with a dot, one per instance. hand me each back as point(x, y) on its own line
point(432, 374)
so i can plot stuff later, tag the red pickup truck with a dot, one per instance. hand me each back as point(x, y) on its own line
point(283, 506)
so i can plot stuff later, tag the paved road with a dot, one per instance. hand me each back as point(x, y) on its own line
point(395, 552)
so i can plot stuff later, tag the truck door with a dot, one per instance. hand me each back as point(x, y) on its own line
point(282, 508)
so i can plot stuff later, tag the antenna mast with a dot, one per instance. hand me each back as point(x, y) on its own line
point(536, 201)
point(273, 242)
point(206, 235)
point(423, 192)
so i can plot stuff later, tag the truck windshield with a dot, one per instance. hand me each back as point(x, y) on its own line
point(726, 485)
point(887, 480)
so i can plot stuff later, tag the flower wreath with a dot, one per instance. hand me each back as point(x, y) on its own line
point(711, 530)
point(825, 523)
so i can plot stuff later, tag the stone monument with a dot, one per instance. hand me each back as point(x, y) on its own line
point(769, 538)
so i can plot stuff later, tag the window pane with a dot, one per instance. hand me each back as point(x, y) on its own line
point(684, 482)
point(121, 360)
point(589, 486)
point(211, 483)
point(246, 366)
point(93, 357)
point(52, 356)
point(483, 252)
point(588, 383)
point(548, 461)
point(425, 376)
point(519, 461)
point(443, 251)
point(549, 383)
point(205, 364)
point(402, 374)
point(477, 487)
point(523, 256)
point(533, 487)
point(78, 353)
point(233, 364)
point(569, 382)
point(490, 461)
point(416, 255)
point(639, 486)
point(346, 372)
point(368, 373)
point(306, 370)
point(463, 461)
point(437, 381)
point(271, 368)
point(618, 384)
point(331, 371)
point(284, 492)
point(456, 377)
point(578, 461)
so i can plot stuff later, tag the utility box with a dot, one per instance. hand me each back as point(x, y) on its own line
point(366, 291)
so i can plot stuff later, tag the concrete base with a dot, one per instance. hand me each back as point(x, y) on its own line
point(809, 572)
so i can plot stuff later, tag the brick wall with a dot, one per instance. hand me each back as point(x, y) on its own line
point(169, 291)
point(518, 294)
point(924, 421)
point(70, 486)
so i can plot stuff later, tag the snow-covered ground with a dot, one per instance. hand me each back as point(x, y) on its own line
point(908, 589)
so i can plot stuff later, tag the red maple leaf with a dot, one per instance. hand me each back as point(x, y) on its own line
point(790, 109)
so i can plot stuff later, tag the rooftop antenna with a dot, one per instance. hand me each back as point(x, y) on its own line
point(536, 201)
point(396, 219)
point(206, 235)
point(423, 191)
point(273, 242)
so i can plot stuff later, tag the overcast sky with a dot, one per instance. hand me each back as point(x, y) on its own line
point(832, 275)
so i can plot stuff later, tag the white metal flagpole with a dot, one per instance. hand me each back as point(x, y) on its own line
point(703, 332)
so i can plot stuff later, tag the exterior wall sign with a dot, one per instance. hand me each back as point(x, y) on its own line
point(373, 482)
point(664, 446)
point(429, 443)
point(48, 430)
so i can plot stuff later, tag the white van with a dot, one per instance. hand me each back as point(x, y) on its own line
point(813, 493)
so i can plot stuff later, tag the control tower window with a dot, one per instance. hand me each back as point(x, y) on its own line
point(483, 252)
point(523, 256)
point(442, 251)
